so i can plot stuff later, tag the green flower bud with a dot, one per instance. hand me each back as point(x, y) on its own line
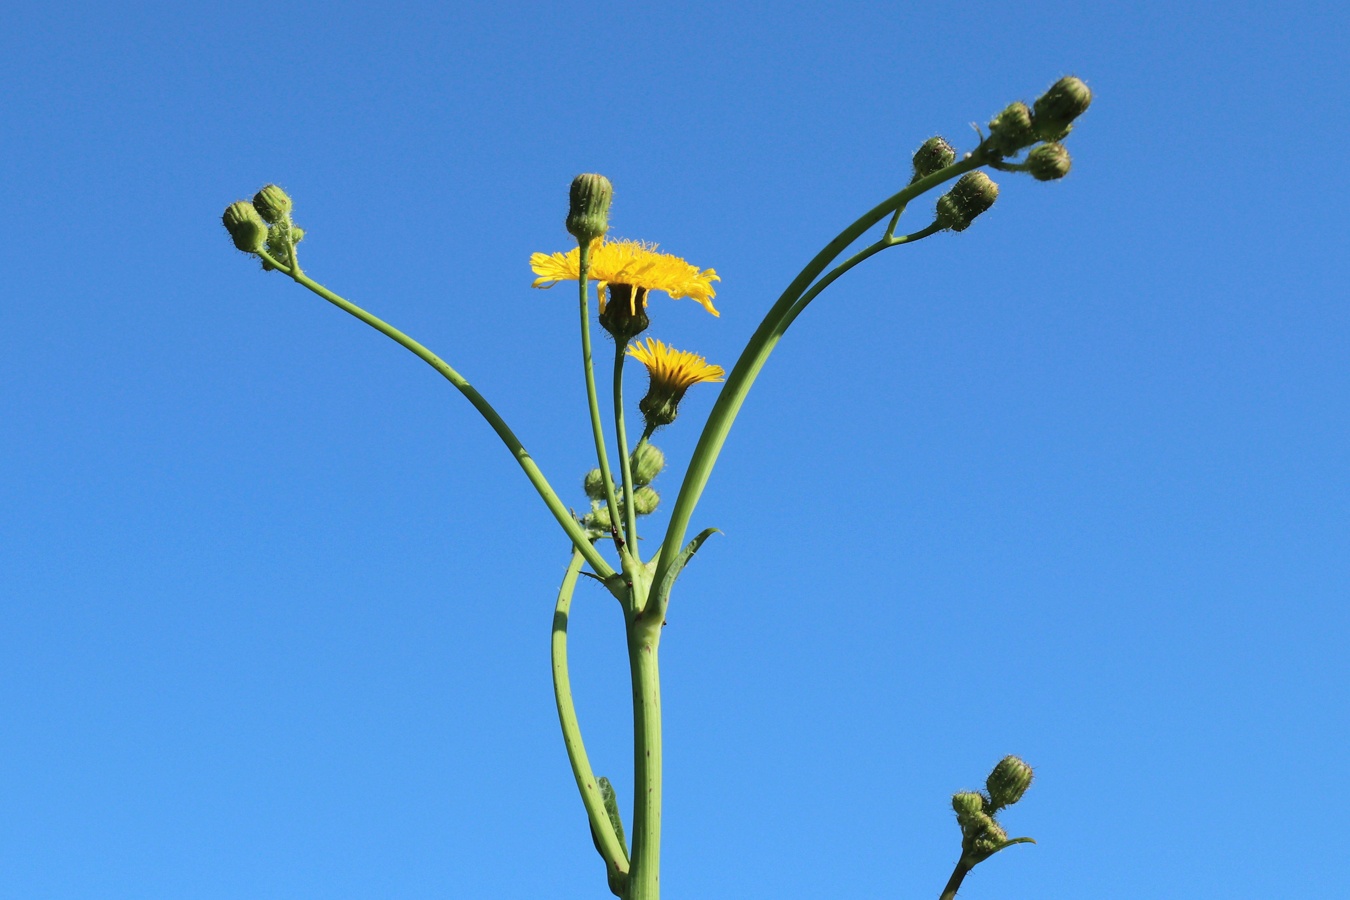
point(647, 462)
point(1056, 109)
point(1008, 782)
point(594, 484)
point(1012, 129)
point(988, 840)
point(273, 204)
point(645, 500)
point(625, 312)
point(933, 155)
point(599, 517)
point(972, 194)
point(588, 207)
point(247, 229)
point(1048, 162)
point(968, 805)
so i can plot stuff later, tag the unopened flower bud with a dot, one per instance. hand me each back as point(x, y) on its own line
point(273, 203)
point(932, 156)
point(588, 207)
point(1008, 782)
point(1011, 129)
point(989, 839)
point(594, 483)
point(599, 517)
point(1056, 109)
point(645, 500)
point(647, 462)
point(1048, 162)
point(972, 194)
point(967, 804)
point(246, 227)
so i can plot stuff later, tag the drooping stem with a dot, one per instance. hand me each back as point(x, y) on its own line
point(485, 409)
point(593, 402)
point(611, 848)
point(644, 877)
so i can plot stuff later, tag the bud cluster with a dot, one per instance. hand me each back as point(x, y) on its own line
point(645, 463)
point(981, 834)
point(265, 224)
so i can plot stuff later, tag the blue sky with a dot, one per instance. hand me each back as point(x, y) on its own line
point(1071, 484)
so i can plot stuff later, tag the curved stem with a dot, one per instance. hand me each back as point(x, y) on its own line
point(532, 472)
point(644, 877)
point(611, 848)
point(757, 352)
point(626, 464)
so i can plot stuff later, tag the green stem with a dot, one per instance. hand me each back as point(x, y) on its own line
point(757, 352)
point(593, 402)
point(532, 472)
point(611, 848)
point(626, 466)
point(644, 877)
point(954, 883)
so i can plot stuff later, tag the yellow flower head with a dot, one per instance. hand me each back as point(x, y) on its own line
point(672, 373)
point(632, 264)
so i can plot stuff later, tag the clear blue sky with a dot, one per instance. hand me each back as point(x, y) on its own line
point(275, 605)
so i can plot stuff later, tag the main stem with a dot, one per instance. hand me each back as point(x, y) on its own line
point(644, 874)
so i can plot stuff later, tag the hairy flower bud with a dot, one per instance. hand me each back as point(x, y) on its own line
point(645, 500)
point(594, 484)
point(1055, 110)
point(973, 193)
point(1011, 129)
point(647, 462)
point(246, 227)
point(1048, 162)
point(932, 156)
point(588, 207)
point(273, 204)
point(1008, 782)
point(599, 517)
point(968, 805)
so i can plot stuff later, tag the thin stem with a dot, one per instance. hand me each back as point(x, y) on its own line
point(532, 472)
point(645, 873)
point(615, 854)
point(626, 464)
point(593, 402)
point(757, 352)
point(954, 883)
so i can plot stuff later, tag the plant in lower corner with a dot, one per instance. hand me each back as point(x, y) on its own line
point(619, 489)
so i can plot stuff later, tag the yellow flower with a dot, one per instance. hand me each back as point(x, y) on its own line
point(672, 373)
point(631, 264)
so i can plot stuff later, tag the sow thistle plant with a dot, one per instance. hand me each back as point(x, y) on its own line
point(619, 489)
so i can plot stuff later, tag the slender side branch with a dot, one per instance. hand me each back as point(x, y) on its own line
point(626, 464)
point(615, 854)
point(593, 402)
point(757, 352)
point(532, 472)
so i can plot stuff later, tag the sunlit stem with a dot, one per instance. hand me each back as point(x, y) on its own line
point(626, 465)
point(508, 437)
point(757, 352)
point(593, 402)
point(954, 883)
point(644, 877)
point(611, 848)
